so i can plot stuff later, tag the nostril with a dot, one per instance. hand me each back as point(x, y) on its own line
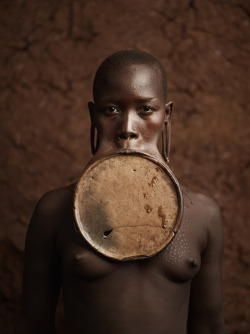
point(128, 135)
point(123, 136)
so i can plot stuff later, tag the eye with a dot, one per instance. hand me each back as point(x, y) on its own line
point(146, 110)
point(111, 110)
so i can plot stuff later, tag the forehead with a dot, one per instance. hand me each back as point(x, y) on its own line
point(134, 78)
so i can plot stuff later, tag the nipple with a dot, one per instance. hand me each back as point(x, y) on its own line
point(79, 257)
point(193, 262)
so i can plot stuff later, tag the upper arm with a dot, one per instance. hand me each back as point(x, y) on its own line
point(41, 278)
point(205, 311)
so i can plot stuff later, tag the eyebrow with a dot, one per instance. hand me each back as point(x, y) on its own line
point(144, 100)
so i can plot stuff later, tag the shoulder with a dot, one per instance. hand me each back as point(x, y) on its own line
point(206, 213)
point(52, 209)
point(202, 204)
point(55, 201)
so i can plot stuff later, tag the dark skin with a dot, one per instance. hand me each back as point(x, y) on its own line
point(176, 290)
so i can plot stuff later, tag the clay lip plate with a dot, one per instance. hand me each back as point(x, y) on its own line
point(128, 205)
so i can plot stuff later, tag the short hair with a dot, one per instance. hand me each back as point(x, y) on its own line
point(130, 57)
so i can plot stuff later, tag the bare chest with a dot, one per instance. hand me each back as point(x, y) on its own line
point(178, 262)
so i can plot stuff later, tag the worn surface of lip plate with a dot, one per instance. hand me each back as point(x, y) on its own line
point(128, 206)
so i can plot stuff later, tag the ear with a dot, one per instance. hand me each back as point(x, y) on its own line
point(91, 107)
point(93, 142)
point(168, 111)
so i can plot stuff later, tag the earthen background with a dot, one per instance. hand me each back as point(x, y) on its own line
point(49, 51)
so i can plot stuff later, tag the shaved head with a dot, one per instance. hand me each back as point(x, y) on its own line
point(126, 58)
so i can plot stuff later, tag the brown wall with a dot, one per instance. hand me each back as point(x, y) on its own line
point(49, 52)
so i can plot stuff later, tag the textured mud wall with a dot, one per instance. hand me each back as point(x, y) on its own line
point(49, 53)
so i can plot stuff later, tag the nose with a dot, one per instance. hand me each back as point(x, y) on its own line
point(128, 128)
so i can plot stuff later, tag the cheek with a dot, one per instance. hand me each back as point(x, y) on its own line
point(106, 127)
point(155, 125)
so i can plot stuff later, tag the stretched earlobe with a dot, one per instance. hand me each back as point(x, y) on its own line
point(91, 107)
point(169, 109)
point(94, 146)
point(166, 132)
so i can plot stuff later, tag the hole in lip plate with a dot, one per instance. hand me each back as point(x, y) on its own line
point(107, 233)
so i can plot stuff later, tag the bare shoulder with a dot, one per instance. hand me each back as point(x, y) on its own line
point(55, 200)
point(201, 203)
point(205, 212)
point(52, 208)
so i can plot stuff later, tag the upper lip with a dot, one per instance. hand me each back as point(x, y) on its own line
point(124, 144)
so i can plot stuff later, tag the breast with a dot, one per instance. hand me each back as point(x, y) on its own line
point(181, 260)
point(178, 263)
point(86, 264)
